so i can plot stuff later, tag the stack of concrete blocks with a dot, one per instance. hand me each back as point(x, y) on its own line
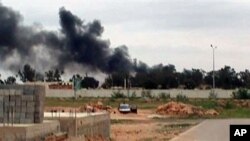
point(21, 104)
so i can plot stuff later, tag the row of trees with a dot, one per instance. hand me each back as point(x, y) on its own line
point(84, 82)
point(157, 77)
point(165, 77)
point(9, 81)
point(28, 74)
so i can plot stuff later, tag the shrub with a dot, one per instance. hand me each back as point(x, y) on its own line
point(229, 105)
point(118, 95)
point(164, 96)
point(181, 98)
point(133, 96)
point(241, 94)
point(146, 94)
point(212, 95)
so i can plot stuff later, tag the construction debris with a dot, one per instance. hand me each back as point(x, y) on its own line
point(182, 110)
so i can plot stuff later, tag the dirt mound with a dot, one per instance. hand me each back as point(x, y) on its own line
point(94, 107)
point(182, 110)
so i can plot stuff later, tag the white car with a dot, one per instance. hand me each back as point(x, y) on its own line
point(124, 108)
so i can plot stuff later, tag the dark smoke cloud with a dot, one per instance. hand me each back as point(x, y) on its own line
point(9, 29)
point(76, 42)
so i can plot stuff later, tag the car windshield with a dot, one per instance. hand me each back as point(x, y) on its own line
point(124, 106)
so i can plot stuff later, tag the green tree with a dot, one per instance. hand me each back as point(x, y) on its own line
point(53, 75)
point(227, 78)
point(89, 82)
point(10, 80)
point(27, 73)
point(1, 81)
point(244, 77)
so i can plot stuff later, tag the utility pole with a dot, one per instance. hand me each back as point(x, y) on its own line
point(213, 47)
point(75, 87)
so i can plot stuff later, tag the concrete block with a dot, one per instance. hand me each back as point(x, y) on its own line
point(23, 109)
point(1, 97)
point(18, 109)
point(12, 97)
point(30, 109)
point(27, 98)
point(18, 97)
point(29, 91)
point(31, 104)
point(22, 116)
point(29, 115)
point(16, 120)
point(37, 108)
point(19, 92)
point(12, 103)
point(18, 103)
point(23, 104)
point(6, 108)
point(12, 91)
point(6, 92)
point(6, 98)
point(26, 120)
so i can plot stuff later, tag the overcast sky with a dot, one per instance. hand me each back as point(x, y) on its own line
point(175, 32)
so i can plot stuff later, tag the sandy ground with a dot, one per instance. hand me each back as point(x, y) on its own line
point(142, 127)
point(139, 127)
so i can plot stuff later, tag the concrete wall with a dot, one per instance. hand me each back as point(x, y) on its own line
point(108, 92)
point(94, 126)
point(21, 103)
point(29, 132)
point(90, 126)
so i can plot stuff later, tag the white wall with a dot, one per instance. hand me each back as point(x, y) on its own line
point(108, 92)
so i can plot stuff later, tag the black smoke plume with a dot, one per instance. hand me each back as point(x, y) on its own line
point(76, 42)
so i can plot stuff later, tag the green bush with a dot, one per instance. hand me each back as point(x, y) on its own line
point(118, 95)
point(133, 96)
point(164, 96)
point(229, 105)
point(213, 95)
point(181, 98)
point(241, 94)
point(146, 94)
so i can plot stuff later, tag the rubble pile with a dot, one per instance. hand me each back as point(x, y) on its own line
point(182, 110)
point(242, 103)
point(94, 107)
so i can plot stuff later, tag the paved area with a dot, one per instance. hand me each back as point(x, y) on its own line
point(210, 130)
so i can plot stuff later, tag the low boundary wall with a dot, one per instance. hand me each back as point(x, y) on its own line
point(108, 92)
point(29, 132)
point(86, 125)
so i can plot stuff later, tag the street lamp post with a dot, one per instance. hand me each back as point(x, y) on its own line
point(213, 47)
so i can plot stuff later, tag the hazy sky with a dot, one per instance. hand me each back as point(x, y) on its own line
point(175, 32)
